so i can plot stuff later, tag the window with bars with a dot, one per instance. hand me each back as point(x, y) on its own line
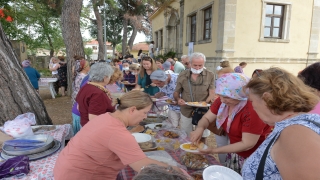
point(161, 39)
point(207, 23)
point(193, 19)
point(273, 21)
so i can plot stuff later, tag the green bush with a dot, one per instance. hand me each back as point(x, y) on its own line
point(45, 72)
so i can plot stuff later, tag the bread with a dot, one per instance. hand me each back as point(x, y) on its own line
point(193, 147)
point(201, 145)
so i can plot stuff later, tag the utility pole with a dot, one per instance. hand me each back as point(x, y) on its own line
point(105, 31)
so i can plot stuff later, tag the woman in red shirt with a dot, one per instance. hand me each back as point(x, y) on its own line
point(234, 113)
point(93, 98)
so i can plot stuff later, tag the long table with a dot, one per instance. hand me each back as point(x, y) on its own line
point(43, 168)
point(128, 173)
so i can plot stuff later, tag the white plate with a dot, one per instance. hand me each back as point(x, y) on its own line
point(152, 126)
point(220, 172)
point(141, 137)
point(194, 105)
point(192, 151)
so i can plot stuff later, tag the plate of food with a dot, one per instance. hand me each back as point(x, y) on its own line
point(171, 134)
point(154, 126)
point(220, 172)
point(136, 129)
point(198, 104)
point(194, 148)
point(150, 132)
point(194, 161)
point(170, 101)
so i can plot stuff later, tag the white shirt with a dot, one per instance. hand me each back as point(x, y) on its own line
point(56, 71)
point(150, 48)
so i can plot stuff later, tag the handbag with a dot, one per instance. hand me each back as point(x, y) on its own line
point(197, 113)
point(215, 130)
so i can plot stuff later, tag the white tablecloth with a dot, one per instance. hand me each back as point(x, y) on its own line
point(42, 169)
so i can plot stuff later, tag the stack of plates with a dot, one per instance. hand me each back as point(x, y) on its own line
point(49, 147)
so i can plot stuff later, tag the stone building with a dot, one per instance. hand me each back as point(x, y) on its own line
point(263, 33)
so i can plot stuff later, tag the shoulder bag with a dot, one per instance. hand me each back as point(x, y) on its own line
point(197, 113)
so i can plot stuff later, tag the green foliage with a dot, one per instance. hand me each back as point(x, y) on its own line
point(36, 24)
point(119, 47)
point(88, 51)
point(165, 56)
point(45, 72)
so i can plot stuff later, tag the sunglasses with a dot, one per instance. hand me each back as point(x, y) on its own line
point(258, 71)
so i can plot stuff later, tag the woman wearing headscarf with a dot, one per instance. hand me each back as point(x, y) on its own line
point(82, 68)
point(32, 74)
point(234, 113)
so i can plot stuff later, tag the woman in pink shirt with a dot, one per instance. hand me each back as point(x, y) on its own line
point(104, 146)
point(311, 77)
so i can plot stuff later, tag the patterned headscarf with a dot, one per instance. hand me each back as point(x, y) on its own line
point(231, 85)
point(26, 63)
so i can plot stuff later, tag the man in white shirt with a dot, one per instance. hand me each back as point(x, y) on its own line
point(151, 49)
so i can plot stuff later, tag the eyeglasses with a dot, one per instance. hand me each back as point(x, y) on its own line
point(258, 71)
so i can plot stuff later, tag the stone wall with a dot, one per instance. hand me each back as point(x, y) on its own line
point(39, 62)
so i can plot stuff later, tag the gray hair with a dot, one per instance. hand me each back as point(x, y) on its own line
point(99, 71)
point(184, 56)
point(197, 55)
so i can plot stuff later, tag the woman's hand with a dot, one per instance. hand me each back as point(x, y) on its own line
point(153, 85)
point(207, 151)
point(196, 135)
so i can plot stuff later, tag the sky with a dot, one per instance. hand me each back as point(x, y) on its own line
point(139, 38)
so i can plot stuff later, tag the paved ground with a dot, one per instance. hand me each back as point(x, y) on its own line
point(59, 110)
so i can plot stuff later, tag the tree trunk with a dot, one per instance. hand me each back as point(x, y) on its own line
point(101, 51)
point(124, 36)
point(132, 37)
point(16, 93)
point(70, 19)
point(113, 51)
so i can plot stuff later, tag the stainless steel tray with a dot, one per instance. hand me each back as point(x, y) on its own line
point(32, 157)
point(154, 119)
point(41, 137)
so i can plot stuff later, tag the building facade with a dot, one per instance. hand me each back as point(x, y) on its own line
point(263, 33)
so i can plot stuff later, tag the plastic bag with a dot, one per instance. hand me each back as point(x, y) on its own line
point(17, 166)
point(20, 126)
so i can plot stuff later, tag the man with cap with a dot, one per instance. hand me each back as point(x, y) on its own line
point(167, 84)
point(194, 85)
point(166, 67)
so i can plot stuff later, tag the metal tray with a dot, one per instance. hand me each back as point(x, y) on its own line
point(154, 119)
point(154, 147)
point(41, 137)
point(40, 155)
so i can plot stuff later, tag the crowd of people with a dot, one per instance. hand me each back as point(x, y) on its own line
point(268, 124)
